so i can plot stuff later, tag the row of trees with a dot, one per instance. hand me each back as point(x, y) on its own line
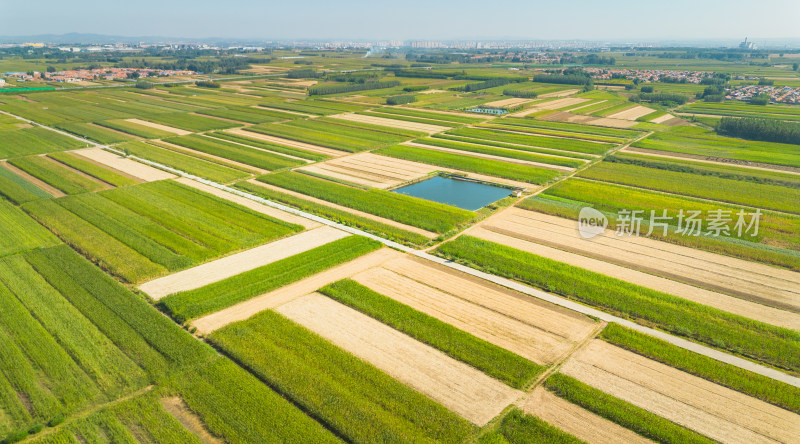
point(482, 85)
point(767, 130)
point(400, 100)
point(350, 87)
point(521, 93)
point(662, 97)
point(303, 74)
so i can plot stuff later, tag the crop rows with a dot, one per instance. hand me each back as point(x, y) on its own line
point(190, 304)
point(232, 151)
point(56, 175)
point(431, 216)
point(134, 129)
point(580, 146)
point(275, 148)
point(369, 406)
point(92, 169)
point(184, 162)
point(18, 232)
point(502, 152)
point(189, 122)
point(36, 140)
point(94, 132)
point(497, 168)
point(17, 189)
point(772, 345)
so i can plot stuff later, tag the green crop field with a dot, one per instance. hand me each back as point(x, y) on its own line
point(580, 146)
point(183, 162)
point(56, 174)
point(502, 152)
point(738, 109)
point(331, 135)
point(244, 114)
point(511, 146)
point(20, 232)
point(715, 147)
point(191, 304)
point(272, 147)
point(431, 216)
point(250, 156)
point(132, 232)
point(135, 129)
point(497, 168)
point(370, 405)
point(92, 169)
point(35, 140)
point(189, 122)
point(17, 189)
point(521, 125)
point(343, 217)
point(94, 132)
point(720, 189)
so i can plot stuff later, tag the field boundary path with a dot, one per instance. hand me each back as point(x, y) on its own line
point(533, 292)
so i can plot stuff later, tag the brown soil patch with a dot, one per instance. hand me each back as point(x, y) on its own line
point(180, 411)
point(297, 113)
point(451, 113)
point(251, 204)
point(392, 123)
point(157, 126)
point(349, 210)
point(55, 192)
point(288, 142)
point(551, 105)
point(662, 119)
point(720, 413)
point(567, 92)
point(533, 329)
point(758, 282)
point(717, 300)
point(246, 309)
point(94, 162)
point(459, 387)
point(577, 421)
point(138, 170)
point(238, 263)
point(515, 101)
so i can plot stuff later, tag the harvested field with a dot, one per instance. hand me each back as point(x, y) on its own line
point(393, 123)
point(251, 204)
point(209, 157)
point(244, 310)
point(761, 283)
point(157, 126)
point(564, 93)
point(382, 220)
point(371, 170)
point(577, 421)
point(132, 168)
point(226, 267)
point(515, 101)
point(632, 113)
point(439, 111)
point(721, 301)
point(55, 192)
point(286, 142)
point(705, 159)
point(707, 408)
point(457, 386)
point(612, 123)
point(530, 328)
point(550, 105)
point(562, 116)
point(663, 119)
point(489, 156)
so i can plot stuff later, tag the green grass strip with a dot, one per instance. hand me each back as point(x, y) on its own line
point(496, 168)
point(56, 175)
point(355, 399)
point(187, 305)
point(621, 412)
point(719, 329)
point(496, 362)
point(93, 170)
point(19, 190)
point(343, 217)
point(761, 387)
point(519, 428)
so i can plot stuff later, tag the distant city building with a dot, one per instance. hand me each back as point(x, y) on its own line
point(747, 45)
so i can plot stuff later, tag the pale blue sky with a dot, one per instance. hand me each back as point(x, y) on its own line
point(409, 19)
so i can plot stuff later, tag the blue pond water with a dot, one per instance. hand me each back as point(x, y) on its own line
point(459, 193)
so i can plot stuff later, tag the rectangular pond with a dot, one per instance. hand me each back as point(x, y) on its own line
point(458, 193)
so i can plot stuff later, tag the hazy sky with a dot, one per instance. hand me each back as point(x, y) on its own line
point(408, 19)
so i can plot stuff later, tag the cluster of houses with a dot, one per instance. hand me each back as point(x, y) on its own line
point(777, 94)
point(648, 75)
point(80, 75)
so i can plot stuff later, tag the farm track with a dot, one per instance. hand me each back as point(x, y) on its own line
point(710, 409)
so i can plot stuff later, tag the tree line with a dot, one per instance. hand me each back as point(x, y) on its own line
point(321, 90)
point(766, 130)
